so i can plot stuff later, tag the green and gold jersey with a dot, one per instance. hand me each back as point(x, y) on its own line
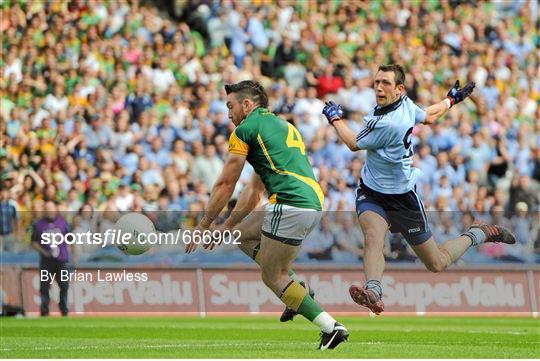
point(277, 153)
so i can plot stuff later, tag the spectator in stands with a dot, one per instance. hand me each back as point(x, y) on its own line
point(521, 224)
point(478, 156)
point(490, 92)
point(158, 154)
point(348, 236)
point(285, 54)
point(321, 242)
point(97, 134)
point(207, 167)
point(397, 250)
point(500, 161)
point(521, 190)
point(328, 82)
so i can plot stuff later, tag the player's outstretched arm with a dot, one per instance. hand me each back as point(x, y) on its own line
point(333, 113)
point(247, 202)
point(223, 189)
point(221, 193)
point(455, 95)
point(347, 135)
point(249, 198)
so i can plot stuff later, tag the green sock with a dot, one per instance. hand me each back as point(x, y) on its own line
point(309, 308)
point(293, 276)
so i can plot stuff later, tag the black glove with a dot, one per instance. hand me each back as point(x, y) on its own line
point(457, 94)
point(332, 112)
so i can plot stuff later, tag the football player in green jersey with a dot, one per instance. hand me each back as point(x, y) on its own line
point(271, 234)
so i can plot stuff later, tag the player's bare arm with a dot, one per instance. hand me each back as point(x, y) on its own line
point(249, 198)
point(334, 114)
point(454, 96)
point(223, 189)
point(221, 193)
point(436, 111)
point(347, 135)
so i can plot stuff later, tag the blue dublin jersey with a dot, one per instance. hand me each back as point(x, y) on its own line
point(386, 136)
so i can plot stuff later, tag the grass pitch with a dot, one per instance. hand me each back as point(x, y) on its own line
point(266, 337)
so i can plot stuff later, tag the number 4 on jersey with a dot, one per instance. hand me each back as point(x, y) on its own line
point(294, 139)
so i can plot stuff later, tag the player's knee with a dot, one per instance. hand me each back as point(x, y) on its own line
point(373, 240)
point(274, 278)
point(246, 247)
point(435, 266)
point(269, 277)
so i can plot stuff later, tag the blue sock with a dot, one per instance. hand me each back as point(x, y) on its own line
point(476, 235)
point(375, 286)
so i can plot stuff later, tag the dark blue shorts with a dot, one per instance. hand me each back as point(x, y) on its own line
point(404, 212)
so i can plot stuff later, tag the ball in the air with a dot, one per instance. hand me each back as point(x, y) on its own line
point(139, 226)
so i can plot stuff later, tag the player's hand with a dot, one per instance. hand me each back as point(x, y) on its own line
point(333, 112)
point(217, 241)
point(457, 94)
point(191, 246)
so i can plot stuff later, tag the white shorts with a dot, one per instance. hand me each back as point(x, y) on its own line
point(289, 224)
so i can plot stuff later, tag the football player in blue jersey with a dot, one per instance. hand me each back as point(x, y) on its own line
point(386, 197)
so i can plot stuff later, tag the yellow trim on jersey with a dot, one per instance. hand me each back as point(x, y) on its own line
point(237, 145)
point(272, 199)
point(310, 182)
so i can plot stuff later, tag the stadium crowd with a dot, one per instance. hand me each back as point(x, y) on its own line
point(110, 106)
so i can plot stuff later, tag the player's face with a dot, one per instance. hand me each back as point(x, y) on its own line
point(386, 90)
point(236, 110)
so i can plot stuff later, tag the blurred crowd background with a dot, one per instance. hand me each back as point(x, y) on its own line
point(115, 106)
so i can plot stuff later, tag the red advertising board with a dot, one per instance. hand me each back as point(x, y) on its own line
point(10, 284)
point(241, 290)
point(457, 291)
point(404, 291)
point(535, 284)
point(238, 291)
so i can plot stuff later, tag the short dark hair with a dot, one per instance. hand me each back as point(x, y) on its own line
point(399, 73)
point(248, 89)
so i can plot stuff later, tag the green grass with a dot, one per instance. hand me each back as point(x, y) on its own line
point(266, 337)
